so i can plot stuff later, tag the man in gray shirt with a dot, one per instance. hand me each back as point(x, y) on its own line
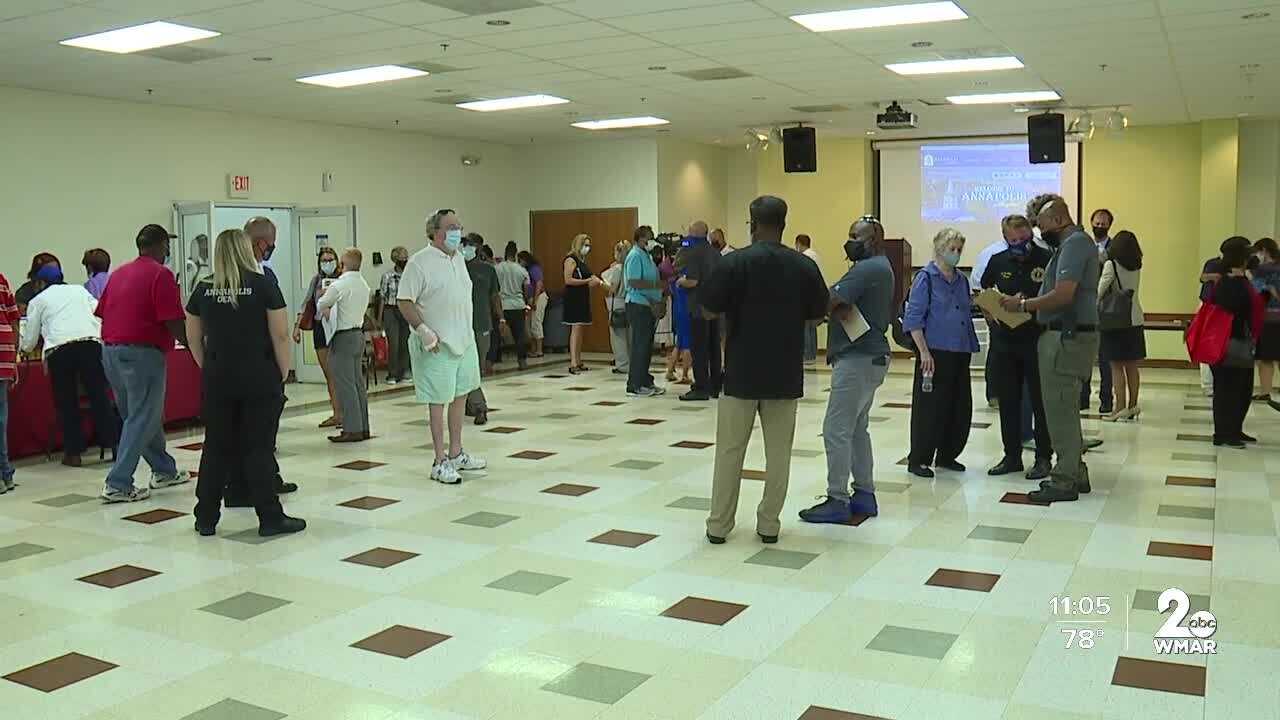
point(1067, 308)
point(858, 369)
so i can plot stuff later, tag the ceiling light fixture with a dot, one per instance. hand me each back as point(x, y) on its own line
point(1117, 121)
point(363, 76)
point(757, 140)
point(140, 37)
point(881, 16)
point(1083, 125)
point(621, 123)
point(939, 67)
point(512, 103)
point(1033, 96)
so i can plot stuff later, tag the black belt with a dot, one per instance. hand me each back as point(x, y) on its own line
point(1059, 327)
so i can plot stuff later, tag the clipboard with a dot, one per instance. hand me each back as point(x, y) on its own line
point(989, 300)
point(855, 325)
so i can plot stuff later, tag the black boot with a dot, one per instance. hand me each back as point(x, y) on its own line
point(1007, 466)
point(284, 525)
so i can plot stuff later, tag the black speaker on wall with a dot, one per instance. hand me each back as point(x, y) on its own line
point(799, 150)
point(1047, 138)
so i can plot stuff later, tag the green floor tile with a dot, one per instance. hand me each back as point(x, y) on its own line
point(999, 534)
point(21, 550)
point(529, 583)
point(245, 606)
point(65, 500)
point(234, 710)
point(1149, 600)
point(788, 559)
point(691, 503)
point(597, 683)
point(486, 519)
point(912, 641)
point(637, 465)
point(1185, 511)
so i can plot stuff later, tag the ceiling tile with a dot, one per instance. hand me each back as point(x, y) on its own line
point(712, 15)
point(68, 22)
point(548, 35)
point(347, 5)
point(1221, 18)
point(598, 9)
point(521, 21)
point(621, 47)
point(329, 26)
point(413, 12)
point(395, 37)
point(19, 8)
point(255, 15)
point(157, 9)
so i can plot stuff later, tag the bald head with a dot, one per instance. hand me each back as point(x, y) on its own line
point(698, 229)
point(768, 218)
point(867, 230)
point(1055, 215)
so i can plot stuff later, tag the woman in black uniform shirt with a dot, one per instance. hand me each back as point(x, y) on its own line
point(238, 332)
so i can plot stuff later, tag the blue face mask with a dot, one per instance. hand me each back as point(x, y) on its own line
point(952, 259)
point(469, 253)
point(452, 239)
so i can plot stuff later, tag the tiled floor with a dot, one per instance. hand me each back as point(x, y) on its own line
point(572, 580)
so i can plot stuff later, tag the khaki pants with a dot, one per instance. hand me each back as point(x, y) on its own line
point(734, 422)
point(1065, 363)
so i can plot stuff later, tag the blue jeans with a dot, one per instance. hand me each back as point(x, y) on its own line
point(6, 468)
point(137, 375)
point(811, 341)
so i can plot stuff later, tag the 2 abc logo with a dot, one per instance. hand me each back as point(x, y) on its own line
point(1191, 638)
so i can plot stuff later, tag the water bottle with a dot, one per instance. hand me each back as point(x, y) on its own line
point(926, 383)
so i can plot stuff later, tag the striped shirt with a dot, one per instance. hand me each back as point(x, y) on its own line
point(389, 287)
point(8, 342)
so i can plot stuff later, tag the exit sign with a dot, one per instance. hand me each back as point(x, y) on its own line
point(239, 186)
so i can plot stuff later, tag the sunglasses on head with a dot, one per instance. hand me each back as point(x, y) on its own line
point(444, 211)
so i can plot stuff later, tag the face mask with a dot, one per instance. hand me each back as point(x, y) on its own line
point(952, 259)
point(1021, 249)
point(267, 252)
point(1052, 238)
point(855, 250)
point(469, 253)
point(452, 239)
point(586, 249)
point(1099, 232)
point(328, 267)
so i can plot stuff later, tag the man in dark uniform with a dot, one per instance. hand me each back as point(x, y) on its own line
point(262, 237)
point(1012, 355)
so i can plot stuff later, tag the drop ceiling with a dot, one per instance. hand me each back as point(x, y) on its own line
point(1168, 61)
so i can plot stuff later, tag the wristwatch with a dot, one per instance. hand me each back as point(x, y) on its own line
point(1022, 305)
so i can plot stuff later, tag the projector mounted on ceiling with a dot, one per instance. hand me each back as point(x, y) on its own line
point(895, 118)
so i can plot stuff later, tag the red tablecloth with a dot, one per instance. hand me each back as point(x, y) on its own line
point(32, 415)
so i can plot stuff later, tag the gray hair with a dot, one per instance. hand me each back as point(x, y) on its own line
point(1038, 203)
point(945, 237)
point(435, 220)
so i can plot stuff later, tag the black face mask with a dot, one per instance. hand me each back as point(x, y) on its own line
point(856, 250)
point(1052, 238)
point(1100, 232)
point(267, 252)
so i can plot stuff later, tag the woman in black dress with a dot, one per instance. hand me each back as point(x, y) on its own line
point(326, 269)
point(578, 282)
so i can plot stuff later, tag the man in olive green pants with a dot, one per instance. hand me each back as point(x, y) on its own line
point(1067, 307)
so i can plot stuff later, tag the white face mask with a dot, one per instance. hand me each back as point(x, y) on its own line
point(327, 267)
point(586, 249)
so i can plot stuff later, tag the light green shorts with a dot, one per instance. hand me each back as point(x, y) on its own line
point(439, 378)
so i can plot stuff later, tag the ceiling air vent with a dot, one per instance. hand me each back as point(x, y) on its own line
point(819, 108)
point(431, 67)
point(451, 99)
point(716, 73)
point(183, 54)
point(483, 7)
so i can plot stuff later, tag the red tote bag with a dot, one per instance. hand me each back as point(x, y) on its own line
point(381, 351)
point(1209, 334)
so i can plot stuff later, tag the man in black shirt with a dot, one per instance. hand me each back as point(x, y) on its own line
point(767, 293)
point(1013, 357)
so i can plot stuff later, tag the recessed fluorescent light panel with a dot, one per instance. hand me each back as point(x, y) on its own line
point(140, 37)
point(940, 67)
point(512, 103)
point(881, 16)
point(363, 76)
point(1002, 98)
point(618, 123)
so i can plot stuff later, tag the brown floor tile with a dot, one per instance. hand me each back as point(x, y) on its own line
point(118, 576)
point(570, 489)
point(692, 445)
point(532, 455)
point(905, 461)
point(505, 430)
point(381, 557)
point(1201, 408)
point(151, 517)
point(1014, 498)
point(1188, 481)
point(192, 446)
point(754, 475)
point(980, 425)
point(607, 403)
point(368, 502)
point(555, 377)
point(963, 580)
point(1159, 676)
point(645, 421)
point(1194, 437)
point(821, 713)
point(580, 389)
point(702, 610)
point(898, 406)
point(1180, 550)
point(59, 672)
point(400, 641)
point(359, 465)
point(623, 538)
point(856, 520)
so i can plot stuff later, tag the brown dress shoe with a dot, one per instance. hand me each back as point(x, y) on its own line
point(71, 459)
point(347, 438)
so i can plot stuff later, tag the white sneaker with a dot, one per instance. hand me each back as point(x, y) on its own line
point(641, 393)
point(656, 391)
point(160, 481)
point(392, 381)
point(112, 495)
point(445, 472)
point(466, 462)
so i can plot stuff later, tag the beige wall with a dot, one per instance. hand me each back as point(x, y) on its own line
point(693, 184)
point(1258, 194)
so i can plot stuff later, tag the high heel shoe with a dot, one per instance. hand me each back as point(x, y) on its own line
point(1129, 413)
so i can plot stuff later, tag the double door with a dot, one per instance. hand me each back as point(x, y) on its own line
point(300, 233)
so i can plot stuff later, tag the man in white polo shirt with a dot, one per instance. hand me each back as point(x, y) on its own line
point(435, 299)
point(344, 303)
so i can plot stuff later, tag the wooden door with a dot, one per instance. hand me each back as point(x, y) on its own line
point(551, 234)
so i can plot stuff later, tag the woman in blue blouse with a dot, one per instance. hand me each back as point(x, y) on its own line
point(939, 316)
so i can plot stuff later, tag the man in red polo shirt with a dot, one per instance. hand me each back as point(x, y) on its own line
point(141, 311)
point(9, 317)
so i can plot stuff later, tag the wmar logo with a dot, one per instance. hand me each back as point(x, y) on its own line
point(1174, 638)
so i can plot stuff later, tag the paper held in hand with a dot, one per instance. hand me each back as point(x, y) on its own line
point(989, 300)
point(855, 325)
